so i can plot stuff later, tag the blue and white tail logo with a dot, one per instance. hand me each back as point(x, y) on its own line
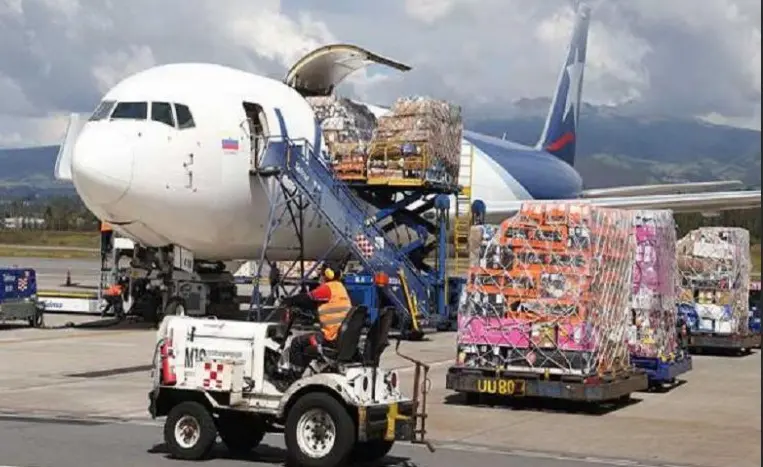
point(560, 132)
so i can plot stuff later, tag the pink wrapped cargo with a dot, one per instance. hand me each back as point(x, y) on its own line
point(652, 327)
point(549, 292)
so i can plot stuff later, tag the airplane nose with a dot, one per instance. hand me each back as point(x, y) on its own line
point(102, 165)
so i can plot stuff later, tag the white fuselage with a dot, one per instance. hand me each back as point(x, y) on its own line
point(161, 184)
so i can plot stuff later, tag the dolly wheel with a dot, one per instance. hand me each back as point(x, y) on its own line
point(372, 450)
point(38, 320)
point(189, 431)
point(472, 398)
point(319, 432)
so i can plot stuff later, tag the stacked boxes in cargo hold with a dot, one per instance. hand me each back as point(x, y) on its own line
point(714, 268)
point(420, 141)
point(347, 129)
point(549, 292)
point(652, 331)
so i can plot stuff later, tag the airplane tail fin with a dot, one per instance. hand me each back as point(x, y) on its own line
point(560, 131)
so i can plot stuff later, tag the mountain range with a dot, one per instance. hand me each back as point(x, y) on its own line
point(615, 147)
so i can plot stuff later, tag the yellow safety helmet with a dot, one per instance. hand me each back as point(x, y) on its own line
point(328, 273)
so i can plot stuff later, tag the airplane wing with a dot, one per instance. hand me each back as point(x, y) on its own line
point(663, 189)
point(63, 169)
point(698, 202)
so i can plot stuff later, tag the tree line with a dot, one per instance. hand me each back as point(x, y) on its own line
point(749, 219)
point(61, 213)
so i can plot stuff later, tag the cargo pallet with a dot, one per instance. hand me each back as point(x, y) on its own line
point(596, 389)
point(739, 343)
point(361, 217)
point(661, 372)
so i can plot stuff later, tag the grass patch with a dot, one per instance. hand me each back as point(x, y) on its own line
point(50, 238)
point(32, 252)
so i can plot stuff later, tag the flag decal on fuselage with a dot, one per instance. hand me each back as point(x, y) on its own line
point(230, 144)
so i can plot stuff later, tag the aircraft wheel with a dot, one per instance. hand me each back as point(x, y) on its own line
point(174, 308)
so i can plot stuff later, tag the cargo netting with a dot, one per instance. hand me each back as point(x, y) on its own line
point(419, 139)
point(652, 326)
point(714, 268)
point(549, 291)
point(343, 121)
point(347, 130)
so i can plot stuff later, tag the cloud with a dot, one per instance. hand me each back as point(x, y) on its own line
point(680, 57)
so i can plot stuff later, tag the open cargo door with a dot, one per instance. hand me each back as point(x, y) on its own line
point(320, 71)
point(63, 169)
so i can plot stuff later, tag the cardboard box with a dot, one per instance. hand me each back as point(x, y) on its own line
point(652, 327)
point(714, 272)
point(424, 134)
point(342, 120)
point(549, 290)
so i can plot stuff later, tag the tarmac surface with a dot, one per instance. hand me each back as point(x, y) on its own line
point(41, 442)
point(712, 420)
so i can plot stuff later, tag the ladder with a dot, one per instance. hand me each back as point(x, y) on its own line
point(463, 210)
point(351, 224)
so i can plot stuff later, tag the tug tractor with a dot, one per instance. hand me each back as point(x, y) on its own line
point(230, 378)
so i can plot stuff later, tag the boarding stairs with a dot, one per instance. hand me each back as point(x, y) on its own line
point(462, 222)
point(353, 224)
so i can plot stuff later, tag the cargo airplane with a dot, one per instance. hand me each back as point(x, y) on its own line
point(166, 155)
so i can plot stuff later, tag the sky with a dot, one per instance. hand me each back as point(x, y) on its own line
point(683, 58)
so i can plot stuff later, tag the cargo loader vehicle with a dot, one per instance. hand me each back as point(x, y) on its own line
point(229, 378)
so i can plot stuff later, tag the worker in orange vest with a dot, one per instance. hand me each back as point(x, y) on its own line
point(330, 302)
point(114, 298)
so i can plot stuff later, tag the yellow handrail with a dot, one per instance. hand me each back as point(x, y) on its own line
point(411, 301)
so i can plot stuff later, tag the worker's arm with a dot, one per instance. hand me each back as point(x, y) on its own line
point(310, 300)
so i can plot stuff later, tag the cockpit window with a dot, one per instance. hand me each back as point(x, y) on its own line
point(185, 119)
point(162, 112)
point(130, 111)
point(102, 111)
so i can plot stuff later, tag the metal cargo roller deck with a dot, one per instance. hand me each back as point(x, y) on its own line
point(595, 389)
point(547, 308)
point(740, 343)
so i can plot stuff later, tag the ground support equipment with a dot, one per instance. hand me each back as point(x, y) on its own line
point(424, 241)
point(344, 409)
point(592, 389)
point(18, 297)
point(663, 371)
point(297, 179)
point(737, 343)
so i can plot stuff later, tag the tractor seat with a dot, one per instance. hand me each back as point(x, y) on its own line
point(346, 344)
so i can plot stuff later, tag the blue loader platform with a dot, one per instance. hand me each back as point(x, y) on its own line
point(663, 371)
